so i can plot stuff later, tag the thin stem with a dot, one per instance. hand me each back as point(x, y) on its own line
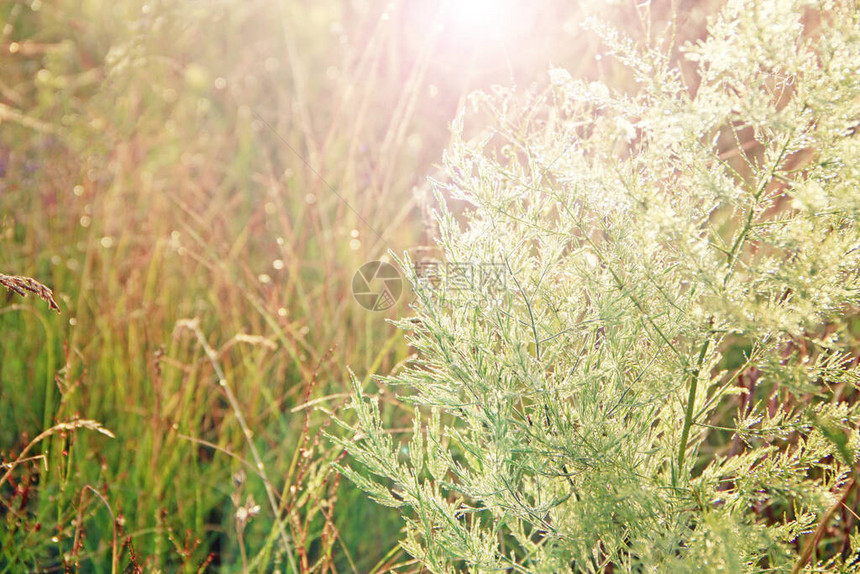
point(748, 219)
point(528, 308)
point(691, 404)
point(249, 437)
point(822, 526)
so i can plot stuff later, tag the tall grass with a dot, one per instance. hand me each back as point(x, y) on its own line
point(198, 182)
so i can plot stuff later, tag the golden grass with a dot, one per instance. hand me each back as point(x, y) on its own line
point(23, 285)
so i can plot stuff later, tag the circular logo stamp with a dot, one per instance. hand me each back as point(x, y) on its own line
point(377, 286)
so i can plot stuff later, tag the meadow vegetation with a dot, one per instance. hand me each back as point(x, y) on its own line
point(666, 379)
point(197, 181)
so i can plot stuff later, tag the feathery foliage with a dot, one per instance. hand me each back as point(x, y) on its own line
point(679, 254)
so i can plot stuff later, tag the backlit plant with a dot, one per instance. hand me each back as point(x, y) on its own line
point(666, 379)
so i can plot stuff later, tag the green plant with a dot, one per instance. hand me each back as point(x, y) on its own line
point(198, 182)
point(137, 181)
point(590, 413)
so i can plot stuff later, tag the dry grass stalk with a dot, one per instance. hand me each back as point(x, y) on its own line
point(22, 285)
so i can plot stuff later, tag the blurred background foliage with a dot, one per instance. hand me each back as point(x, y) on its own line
point(194, 174)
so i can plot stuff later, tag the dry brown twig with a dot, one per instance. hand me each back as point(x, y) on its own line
point(23, 285)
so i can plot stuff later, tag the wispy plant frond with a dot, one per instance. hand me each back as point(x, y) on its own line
point(676, 256)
